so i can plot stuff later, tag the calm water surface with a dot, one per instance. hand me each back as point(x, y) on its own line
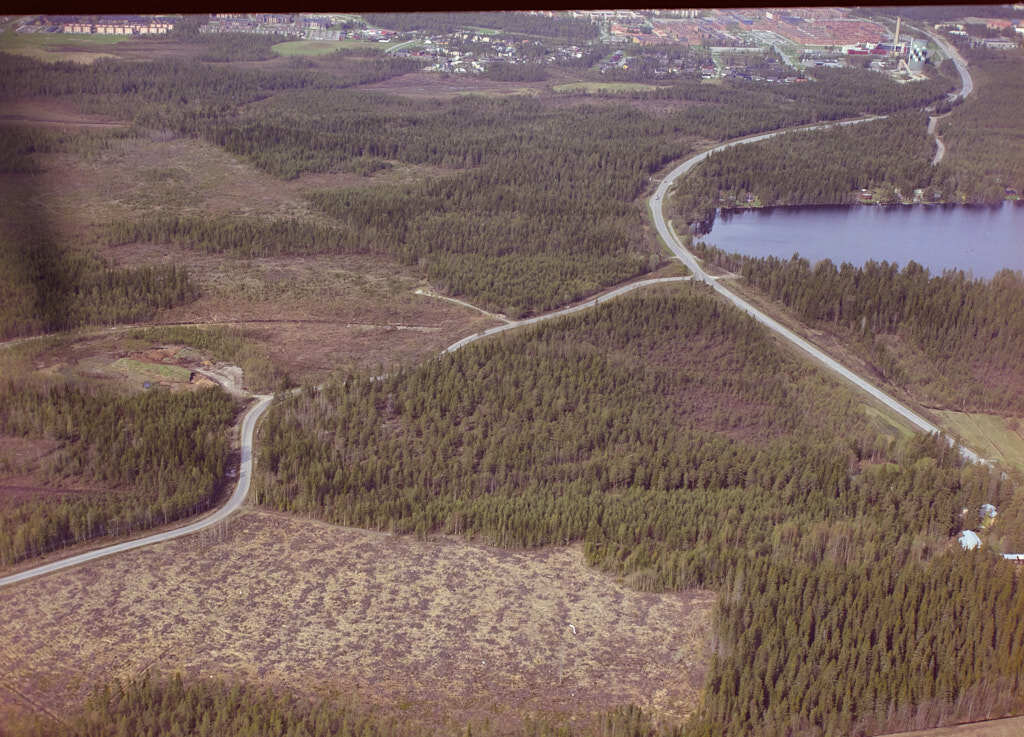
point(981, 240)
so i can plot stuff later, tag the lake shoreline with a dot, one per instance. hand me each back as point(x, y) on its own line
point(977, 239)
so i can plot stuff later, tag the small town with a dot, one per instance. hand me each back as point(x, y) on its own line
point(753, 44)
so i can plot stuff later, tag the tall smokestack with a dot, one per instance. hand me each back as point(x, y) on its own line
point(896, 41)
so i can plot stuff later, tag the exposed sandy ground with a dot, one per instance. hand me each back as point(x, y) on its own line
point(432, 630)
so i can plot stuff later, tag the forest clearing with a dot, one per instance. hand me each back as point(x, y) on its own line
point(295, 602)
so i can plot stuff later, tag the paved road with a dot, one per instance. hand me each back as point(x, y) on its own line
point(966, 88)
point(656, 204)
point(241, 490)
point(396, 47)
point(560, 313)
point(966, 83)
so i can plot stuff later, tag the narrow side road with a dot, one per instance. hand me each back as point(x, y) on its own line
point(236, 500)
point(656, 205)
point(940, 147)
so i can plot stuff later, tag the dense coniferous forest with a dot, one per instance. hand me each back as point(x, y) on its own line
point(983, 136)
point(215, 707)
point(816, 168)
point(162, 456)
point(969, 331)
point(673, 438)
point(543, 210)
point(242, 236)
point(239, 46)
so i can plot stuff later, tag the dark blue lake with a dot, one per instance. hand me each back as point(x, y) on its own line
point(980, 240)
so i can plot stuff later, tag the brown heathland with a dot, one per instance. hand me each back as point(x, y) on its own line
point(438, 631)
point(312, 314)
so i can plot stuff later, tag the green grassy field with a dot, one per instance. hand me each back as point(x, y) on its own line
point(991, 435)
point(888, 423)
point(152, 371)
point(593, 87)
point(80, 48)
point(318, 48)
point(482, 31)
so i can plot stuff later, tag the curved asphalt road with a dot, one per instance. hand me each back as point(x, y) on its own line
point(559, 313)
point(656, 203)
point(966, 87)
point(966, 83)
point(241, 490)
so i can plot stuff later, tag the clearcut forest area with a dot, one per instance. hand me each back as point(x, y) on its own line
point(650, 517)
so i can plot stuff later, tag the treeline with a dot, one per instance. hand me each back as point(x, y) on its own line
point(833, 94)
point(239, 46)
point(162, 456)
point(816, 168)
point(670, 436)
point(983, 137)
point(215, 707)
point(546, 215)
point(866, 649)
point(240, 236)
point(970, 332)
point(68, 290)
point(173, 91)
point(571, 29)
point(19, 142)
point(48, 287)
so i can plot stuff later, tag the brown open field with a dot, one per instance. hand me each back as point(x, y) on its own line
point(316, 314)
point(309, 315)
point(432, 631)
point(995, 437)
point(1013, 727)
point(52, 112)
